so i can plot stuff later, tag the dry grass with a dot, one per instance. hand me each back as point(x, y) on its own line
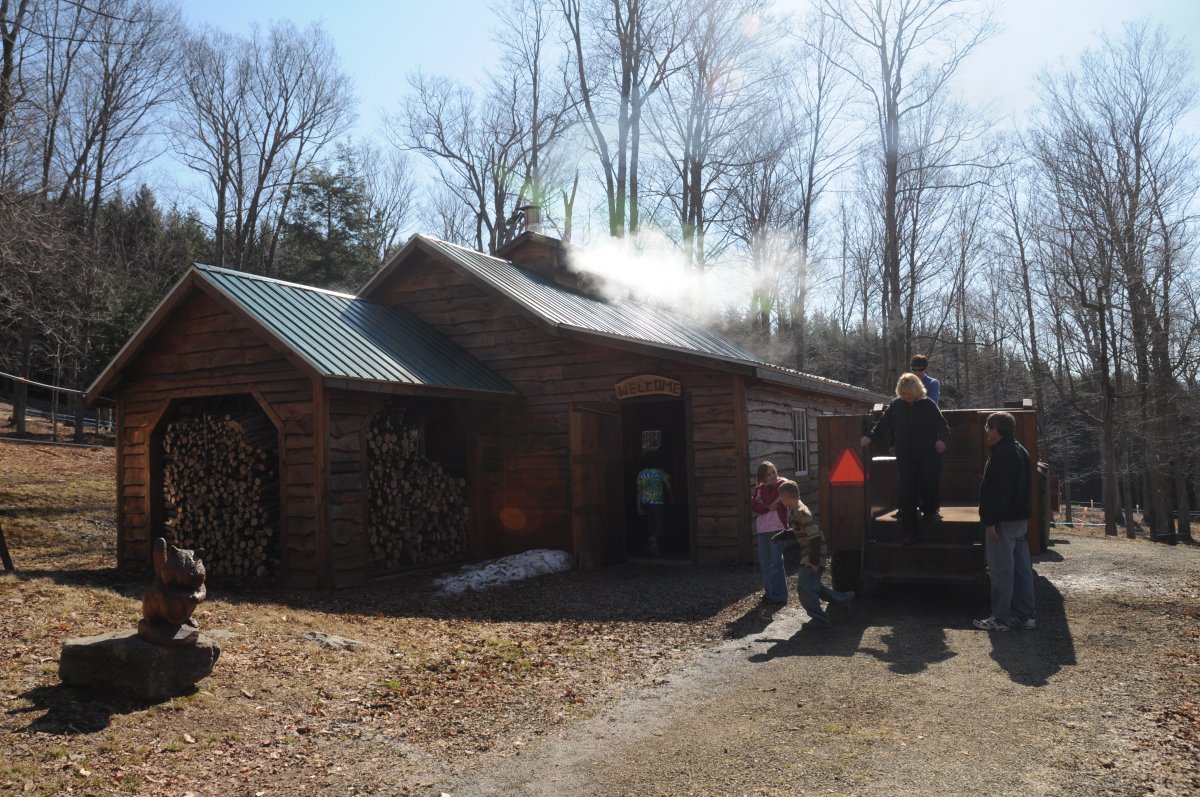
point(439, 680)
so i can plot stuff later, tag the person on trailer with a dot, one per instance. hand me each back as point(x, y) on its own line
point(918, 433)
point(919, 365)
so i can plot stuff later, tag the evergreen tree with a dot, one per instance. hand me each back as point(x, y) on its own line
point(330, 239)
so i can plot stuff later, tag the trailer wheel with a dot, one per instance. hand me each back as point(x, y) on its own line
point(847, 571)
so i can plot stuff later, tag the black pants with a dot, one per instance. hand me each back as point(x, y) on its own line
point(918, 489)
point(656, 521)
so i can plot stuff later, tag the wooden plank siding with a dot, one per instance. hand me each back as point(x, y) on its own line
point(554, 371)
point(771, 435)
point(207, 351)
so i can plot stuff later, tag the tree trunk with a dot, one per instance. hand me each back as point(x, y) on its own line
point(1183, 510)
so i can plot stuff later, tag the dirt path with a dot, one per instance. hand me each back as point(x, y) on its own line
point(904, 697)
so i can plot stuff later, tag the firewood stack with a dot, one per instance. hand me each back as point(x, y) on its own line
point(221, 490)
point(417, 512)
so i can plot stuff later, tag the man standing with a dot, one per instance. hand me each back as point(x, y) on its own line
point(919, 366)
point(1005, 506)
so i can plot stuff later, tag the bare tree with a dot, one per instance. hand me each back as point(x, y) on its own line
point(495, 152)
point(902, 55)
point(254, 114)
point(624, 52)
point(818, 101)
point(391, 190)
point(127, 78)
point(1124, 184)
point(706, 113)
point(533, 83)
point(473, 145)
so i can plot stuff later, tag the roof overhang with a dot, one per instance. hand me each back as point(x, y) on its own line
point(816, 384)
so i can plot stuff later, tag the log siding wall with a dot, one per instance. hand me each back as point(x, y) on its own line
point(552, 372)
point(206, 351)
point(769, 413)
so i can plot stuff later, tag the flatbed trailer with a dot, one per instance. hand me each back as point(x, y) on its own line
point(859, 511)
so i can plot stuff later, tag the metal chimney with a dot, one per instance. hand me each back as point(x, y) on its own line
point(533, 218)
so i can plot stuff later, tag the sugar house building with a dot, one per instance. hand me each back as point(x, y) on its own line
point(460, 406)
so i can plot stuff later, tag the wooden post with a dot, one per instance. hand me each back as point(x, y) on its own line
point(8, 563)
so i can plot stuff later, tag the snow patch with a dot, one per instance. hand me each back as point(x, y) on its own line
point(505, 570)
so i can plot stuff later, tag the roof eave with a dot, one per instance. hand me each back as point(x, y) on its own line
point(412, 388)
point(816, 384)
point(106, 379)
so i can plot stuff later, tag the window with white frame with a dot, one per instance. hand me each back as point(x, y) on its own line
point(800, 439)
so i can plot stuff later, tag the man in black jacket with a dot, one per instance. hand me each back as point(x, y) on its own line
point(1005, 505)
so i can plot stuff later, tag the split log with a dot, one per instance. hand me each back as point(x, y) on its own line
point(416, 511)
point(221, 489)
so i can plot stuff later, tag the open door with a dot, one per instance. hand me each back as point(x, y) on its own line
point(598, 510)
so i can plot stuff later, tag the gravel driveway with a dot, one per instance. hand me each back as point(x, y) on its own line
point(904, 697)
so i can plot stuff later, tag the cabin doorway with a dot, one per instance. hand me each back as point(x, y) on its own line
point(655, 436)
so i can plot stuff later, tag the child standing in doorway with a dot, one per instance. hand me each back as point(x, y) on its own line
point(653, 492)
point(770, 517)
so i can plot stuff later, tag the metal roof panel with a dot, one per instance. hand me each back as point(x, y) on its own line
point(627, 319)
point(346, 337)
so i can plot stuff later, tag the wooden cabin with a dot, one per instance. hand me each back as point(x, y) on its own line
point(460, 406)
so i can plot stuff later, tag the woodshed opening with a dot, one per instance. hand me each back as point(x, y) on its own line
point(218, 483)
point(417, 511)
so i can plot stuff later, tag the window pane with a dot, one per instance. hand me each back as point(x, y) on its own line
point(800, 439)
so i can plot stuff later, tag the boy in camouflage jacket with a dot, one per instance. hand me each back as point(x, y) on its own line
point(803, 528)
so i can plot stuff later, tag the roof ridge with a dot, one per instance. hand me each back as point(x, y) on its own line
point(204, 267)
point(467, 249)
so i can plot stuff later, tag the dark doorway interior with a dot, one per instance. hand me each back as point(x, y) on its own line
point(655, 435)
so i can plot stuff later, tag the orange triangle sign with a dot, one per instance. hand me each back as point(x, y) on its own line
point(848, 472)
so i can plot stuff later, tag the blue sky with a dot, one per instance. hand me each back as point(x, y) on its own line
point(381, 42)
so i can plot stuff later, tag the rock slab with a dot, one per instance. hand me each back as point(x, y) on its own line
point(122, 663)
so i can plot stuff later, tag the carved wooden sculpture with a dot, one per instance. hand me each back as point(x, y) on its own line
point(177, 590)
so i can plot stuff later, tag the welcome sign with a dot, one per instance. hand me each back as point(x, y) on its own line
point(648, 385)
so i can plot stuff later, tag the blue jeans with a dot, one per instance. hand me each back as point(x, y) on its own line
point(811, 591)
point(1011, 571)
point(770, 561)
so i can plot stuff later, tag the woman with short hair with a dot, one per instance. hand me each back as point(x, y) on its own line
point(917, 432)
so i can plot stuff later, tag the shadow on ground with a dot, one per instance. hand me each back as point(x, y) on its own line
point(915, 621)
point(65, 711)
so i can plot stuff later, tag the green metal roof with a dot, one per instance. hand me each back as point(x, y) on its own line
point(345, 337)
point(617, 319)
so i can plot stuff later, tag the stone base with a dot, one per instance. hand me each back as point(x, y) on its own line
point(161, 632)
point(123, 663)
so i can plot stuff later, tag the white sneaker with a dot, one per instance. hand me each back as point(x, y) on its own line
point(990, 624)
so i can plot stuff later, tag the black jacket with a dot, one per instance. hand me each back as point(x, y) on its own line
point(915, 427)
point(1006, 492)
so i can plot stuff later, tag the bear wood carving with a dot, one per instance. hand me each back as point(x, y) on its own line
point(169, 602)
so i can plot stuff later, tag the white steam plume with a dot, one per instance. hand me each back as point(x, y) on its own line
point(648, 267)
